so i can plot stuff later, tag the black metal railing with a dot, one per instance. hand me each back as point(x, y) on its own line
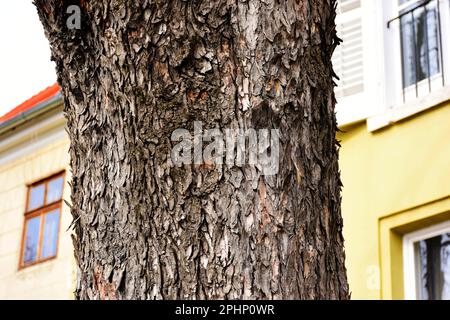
point(420, 25)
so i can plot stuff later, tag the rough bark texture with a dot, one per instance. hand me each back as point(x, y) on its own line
point(144, 229)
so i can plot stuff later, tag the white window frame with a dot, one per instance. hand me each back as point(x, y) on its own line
point(436, 80)
point(409, 265)
point(393, 108)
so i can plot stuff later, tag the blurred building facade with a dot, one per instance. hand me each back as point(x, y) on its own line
point(394, 112)
point(36, 255)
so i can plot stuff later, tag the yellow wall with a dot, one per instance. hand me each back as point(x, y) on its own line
point(53, 279)
point(388, 175)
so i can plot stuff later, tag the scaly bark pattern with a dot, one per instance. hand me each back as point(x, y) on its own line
point(144, 229)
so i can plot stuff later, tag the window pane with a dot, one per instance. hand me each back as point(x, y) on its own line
point(420, 44)
point(36, 197)
point(409, 67)
point(400, 2)
point(433, 268)
point(31, 240)
point(50, 237)
point(54, 191)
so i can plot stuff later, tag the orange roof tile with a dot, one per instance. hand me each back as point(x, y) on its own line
point(42, 96)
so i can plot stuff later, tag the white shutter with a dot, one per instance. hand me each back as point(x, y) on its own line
point(348, 56)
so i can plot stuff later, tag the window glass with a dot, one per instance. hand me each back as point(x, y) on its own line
point(36, 195)
point(42, 219)
point(50, 237)
point(432, 259)
point(31, 240)
point(420, 43)
point(54, 190)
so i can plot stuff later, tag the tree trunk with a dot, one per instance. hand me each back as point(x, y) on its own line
point(133, 73)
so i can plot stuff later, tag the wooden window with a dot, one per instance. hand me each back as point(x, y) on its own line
point(42, 220)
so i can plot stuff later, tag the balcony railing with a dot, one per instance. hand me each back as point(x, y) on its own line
point(421, 46)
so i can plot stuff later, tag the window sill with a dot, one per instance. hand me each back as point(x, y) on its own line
point(36, 263)
point(352, 109)
point(399, 113)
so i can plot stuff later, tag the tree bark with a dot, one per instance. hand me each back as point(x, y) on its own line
point(145, 229)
